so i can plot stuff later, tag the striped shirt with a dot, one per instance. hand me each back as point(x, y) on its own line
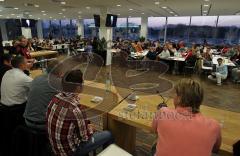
point(66, 124)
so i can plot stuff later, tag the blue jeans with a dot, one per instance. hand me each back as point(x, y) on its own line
point(100, 139)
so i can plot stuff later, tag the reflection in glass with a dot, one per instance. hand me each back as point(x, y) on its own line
point(90, 30)
point(121, 29)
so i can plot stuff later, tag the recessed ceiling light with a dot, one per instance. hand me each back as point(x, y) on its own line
point(36, 5)
point(143, 13)
point(175, 15)
point(39, 18)
point(60, 13)
point(206, 5)
point(0, 10)
point(171, 12)
point(12, 14)
point(119, 5)
point(55, 19)
point(43, 11)
point(80, 12)
point(64, 16)
point(8, 17)
point(205, 11)
point(30, 15)
point(206, 0)
point(118, 14)
point(26, 12)
point(157, 3)
point(0, 15)
point(16, 8)
point(87, 7)
point(63, 9)
point(164, 7)
point(63, 3)
point(1, 0)
point(50, 17)
point(18, 16)
point(44, 14)
point(130, 9)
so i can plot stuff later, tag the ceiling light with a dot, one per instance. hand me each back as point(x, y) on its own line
point(171, 12)
point(44, 14)
point(80, 12)
point(143, 13)
point(206, 0)
point(130, 9)
point(16, 8)
point(1, 0)
point(30, 15)
point(87, 7)
point(119, 5)
point(118, 14)
point(64, 16)
point(175, 15)
point(206, 5)
point(60, 13)
point(18, 16)
point(12, 14)
point(36, 5)
point(8, 17)
point(63, 9)
point(43, 11)
point(26, 12)
point(0, 15)
point(39, 18)
point(50, 17)
point(164, 7)
point(0, 10)
point(63, 3)
point(205, 11)
point(157, 3)
point(55, 19)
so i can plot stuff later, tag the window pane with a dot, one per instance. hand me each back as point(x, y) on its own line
point(55, 28)
point(121, 29)
point(203, 28)
point(228, 29)
point(134, 27)
point(156, 28)
point(65, 26)
point(13, 31)
point(74, 28)
point(46, 28)
point(89, 28)
point(177, 29)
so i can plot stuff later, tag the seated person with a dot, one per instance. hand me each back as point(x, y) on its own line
point(164, 54)
point(236, 58)
point(152, 54)
point(15, 84)
point(70, 133)
point(207, 57)
point(236, 75)
point(225, 50)
point(184, 130)
point(41, 93)
point(5, 65)
point(221, 72)
point(172, 49)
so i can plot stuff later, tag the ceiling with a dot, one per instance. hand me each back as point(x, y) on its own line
point(74, 9)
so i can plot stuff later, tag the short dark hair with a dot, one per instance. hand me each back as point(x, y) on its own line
point(6, 57)
point(220, 59)
point(191, 94)
point(16, 61)
point(71, 80)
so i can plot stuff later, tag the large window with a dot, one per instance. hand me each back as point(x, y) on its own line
point(13, 30)
point(177, 29)
point(90, 30)
point(228, 29)
point(46, 28)
point(203, 29)
point(121, 29)
point(156, 28)
point(134, 28)
point(55, 28)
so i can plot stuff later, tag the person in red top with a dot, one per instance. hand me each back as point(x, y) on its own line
point(69, 131)
point(184, 130)
point(22, 48)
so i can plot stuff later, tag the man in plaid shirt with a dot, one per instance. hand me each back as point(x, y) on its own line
point(70, 133)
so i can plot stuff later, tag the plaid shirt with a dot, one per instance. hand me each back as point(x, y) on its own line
point(66, 123)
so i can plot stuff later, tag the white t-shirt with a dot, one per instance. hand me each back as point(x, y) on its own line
point(15, 87)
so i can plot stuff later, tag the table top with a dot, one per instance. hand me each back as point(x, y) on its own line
point(143, 115)
point(175, 58)
point(43, 53)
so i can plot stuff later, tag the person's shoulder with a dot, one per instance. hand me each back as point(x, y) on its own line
point(212, 123)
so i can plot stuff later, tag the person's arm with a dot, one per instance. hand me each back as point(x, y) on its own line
point(218, 142)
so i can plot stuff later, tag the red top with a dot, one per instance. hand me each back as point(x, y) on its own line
point(182, 133)
point(24, 52)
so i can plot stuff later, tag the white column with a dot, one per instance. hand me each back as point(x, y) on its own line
point(3, 30)
point(39, 29)
point(106, 32)
point(144, 27)
point(80, 26)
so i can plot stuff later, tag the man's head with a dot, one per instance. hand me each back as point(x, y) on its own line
point(23, 41)
point(72, 81)
point(6, 59)
point(220, 61)
point(19, 62)
point(208, 49)
point(189, 94)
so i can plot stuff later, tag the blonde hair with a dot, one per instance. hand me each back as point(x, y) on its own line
point(191, 94)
